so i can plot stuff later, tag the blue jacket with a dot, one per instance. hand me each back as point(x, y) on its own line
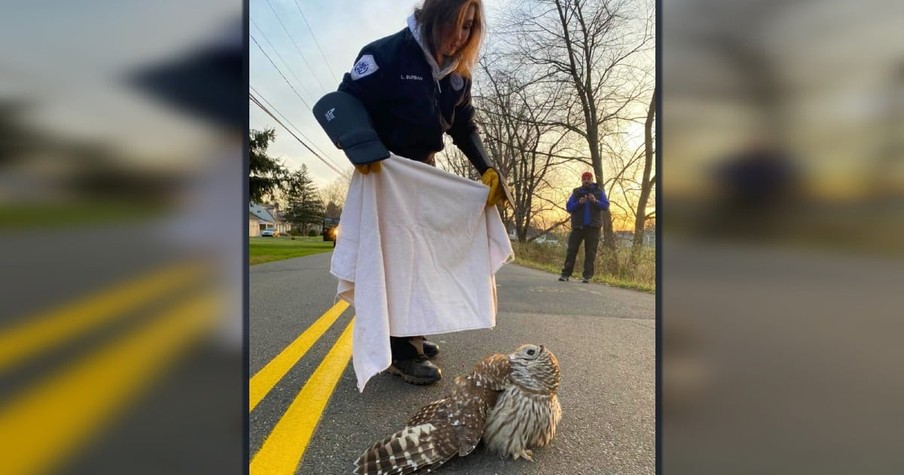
point(411, 108)
point(588, 214)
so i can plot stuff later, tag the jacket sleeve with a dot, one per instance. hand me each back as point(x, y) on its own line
point(366, 86)
point(601, 201)
point(464, 124)
point(465, 136)
point(572, 203)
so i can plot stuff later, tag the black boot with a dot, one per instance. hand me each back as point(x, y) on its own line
point(430, 349)
point(424, 347)
point(416, 370)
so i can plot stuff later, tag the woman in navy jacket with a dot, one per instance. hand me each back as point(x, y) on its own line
point(402, 94)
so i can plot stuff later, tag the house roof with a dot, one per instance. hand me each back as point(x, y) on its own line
point(261, 212)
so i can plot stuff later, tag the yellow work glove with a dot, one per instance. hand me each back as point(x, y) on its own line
point(491, 178)
point(369, 167)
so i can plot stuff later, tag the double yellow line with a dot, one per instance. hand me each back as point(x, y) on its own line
point(284, 448)
point(43, 424)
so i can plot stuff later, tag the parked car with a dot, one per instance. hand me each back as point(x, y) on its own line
point(268, 233)
point(330, 229)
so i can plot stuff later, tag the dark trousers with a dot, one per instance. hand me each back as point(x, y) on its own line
point(591, 239)
point(401, 348)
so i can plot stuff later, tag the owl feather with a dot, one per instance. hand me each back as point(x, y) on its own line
point(442, 429)
point(509, 401)
point(527, 412)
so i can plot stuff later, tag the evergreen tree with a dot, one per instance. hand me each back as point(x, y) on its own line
point(305, 207)
point(266, 174)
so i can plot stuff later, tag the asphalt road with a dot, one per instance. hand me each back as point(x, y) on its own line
point(603, 337)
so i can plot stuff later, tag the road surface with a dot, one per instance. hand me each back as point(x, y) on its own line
point(604, 339)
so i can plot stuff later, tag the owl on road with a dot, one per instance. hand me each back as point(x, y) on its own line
point(455, 424)
point(527, 412)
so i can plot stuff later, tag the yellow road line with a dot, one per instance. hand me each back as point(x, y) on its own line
point(265, 379)
point(49, 421)
point(285, 446)
point(42, 331)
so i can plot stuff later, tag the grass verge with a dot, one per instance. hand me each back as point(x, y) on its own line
point(550, 259)
point(262, 250)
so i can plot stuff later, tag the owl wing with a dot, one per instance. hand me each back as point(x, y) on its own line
point(463, 412)
point(492, 372)
point(431, 413)
point(442, 429)
point(426, 442)
point(470, 417)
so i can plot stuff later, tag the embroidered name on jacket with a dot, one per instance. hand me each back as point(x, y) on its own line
point(411, 77)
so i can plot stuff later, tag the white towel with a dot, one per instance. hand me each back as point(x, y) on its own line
point(416, 255)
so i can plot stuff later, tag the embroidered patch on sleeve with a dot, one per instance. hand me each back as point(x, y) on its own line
point(364, 67)
point(457, 81)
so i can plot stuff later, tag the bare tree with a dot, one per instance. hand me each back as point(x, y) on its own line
point(646, 184)
point(514, 110)
point(336, 191)
point(452, 160)
point(594, 47)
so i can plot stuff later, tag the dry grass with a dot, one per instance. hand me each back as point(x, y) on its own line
point(551, 258)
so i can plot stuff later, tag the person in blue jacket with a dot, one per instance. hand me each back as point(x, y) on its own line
point(402, 94)
point(586, 205)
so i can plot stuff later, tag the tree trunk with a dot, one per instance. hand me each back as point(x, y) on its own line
point(609, 254)
point(646, 185)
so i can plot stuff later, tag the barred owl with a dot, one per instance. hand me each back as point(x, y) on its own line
point(445, 428)
point(527, 412)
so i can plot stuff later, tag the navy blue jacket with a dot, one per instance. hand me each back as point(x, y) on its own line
point(410, 111)
point(589, 214)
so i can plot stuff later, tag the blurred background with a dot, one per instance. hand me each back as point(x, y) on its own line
point(122, 221)
point(783, 195)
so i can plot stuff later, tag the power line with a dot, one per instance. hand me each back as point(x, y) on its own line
point(261, 97)
point(265, 109)
point(295, 43)
point(281, 73)
point(316, 42)
point(270, 104)
point(286, 63)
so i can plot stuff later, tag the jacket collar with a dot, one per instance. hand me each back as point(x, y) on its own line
point(438, 72)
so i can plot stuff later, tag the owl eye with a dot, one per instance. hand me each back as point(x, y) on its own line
point(531, 352)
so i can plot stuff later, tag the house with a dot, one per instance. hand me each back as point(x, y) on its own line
point(279, 223)
point(261, 217)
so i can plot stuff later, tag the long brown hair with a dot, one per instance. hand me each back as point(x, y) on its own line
point(438, 16)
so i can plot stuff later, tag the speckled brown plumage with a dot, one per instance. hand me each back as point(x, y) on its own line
point(527, 412)
point(444, 428)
